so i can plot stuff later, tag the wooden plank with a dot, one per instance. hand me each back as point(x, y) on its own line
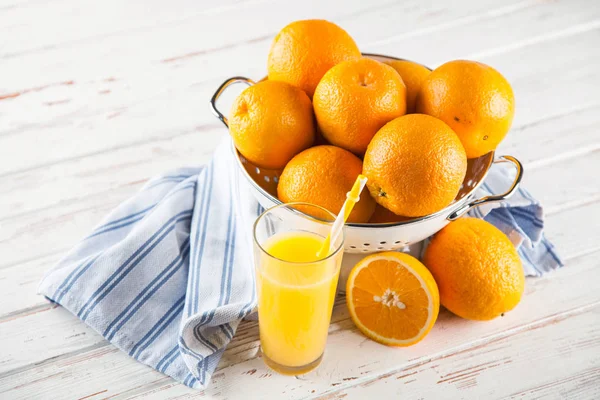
point(515, 366)
point(98, 21)
point(531, 23)
point(138, 108)
point(569, 133)
point(185, 37)
point(118, 173)
point(573, 180)
point(103, 371)
point(48, 332)
point(18, 285)
point(562, 229)
point(198, 35)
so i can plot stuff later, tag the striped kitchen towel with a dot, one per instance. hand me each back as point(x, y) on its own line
point(168, 276)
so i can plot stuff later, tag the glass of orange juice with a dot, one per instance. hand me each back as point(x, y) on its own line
point(295, 287)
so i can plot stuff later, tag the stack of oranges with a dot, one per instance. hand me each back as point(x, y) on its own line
point(410, 131)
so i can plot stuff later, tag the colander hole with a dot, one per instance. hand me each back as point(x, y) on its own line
point(382, 242)
point(258, 170)
point(398, 242)
point(380, 248)
point(276, 180)
point(366, 244)
point(352, 247)
point(365, 250)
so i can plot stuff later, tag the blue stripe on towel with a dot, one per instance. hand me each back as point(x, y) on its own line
point(168, 359)
point(158, 327)
point(162, 278)
point(206, 200)
point(131, 263)
point(72, 278)
point(124, 219)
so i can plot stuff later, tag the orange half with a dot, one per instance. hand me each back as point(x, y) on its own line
point(392, 298)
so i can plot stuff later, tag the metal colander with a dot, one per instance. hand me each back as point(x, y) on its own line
point(368, 237)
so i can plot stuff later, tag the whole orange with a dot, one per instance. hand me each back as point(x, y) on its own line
point(474, 99)
point(415, 165)
point(322, 175)
point(413, 75)
point(271, 122)
point(355, 99)
point(304, 51)
point(477, 269)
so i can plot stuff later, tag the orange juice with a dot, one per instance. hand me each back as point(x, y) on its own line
point(296, 292)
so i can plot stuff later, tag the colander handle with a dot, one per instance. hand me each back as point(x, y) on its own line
point(493, 198)
point(219, 92)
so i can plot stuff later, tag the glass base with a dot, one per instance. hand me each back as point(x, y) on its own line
point(286, 370)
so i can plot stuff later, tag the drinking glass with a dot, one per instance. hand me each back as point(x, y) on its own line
point(296, 289)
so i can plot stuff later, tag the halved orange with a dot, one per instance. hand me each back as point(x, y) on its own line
point(392, 298)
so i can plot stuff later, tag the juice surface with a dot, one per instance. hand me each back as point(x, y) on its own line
point(295, 300)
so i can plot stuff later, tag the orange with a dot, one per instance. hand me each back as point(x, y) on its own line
point(271, 122)
point(304, 51)
point(322, 175)
point(382, 215)
point(356, 98)
point(477, 269)
point(475, 100)
point(415, 165)
point(413, 75)
point(392, 298)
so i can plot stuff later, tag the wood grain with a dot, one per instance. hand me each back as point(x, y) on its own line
point(528, 373)
point(101, 97)
point(67, 129)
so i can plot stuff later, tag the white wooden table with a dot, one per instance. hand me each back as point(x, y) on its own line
point(96, 97)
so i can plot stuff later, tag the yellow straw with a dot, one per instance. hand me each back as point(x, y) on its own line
point(352, 197)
